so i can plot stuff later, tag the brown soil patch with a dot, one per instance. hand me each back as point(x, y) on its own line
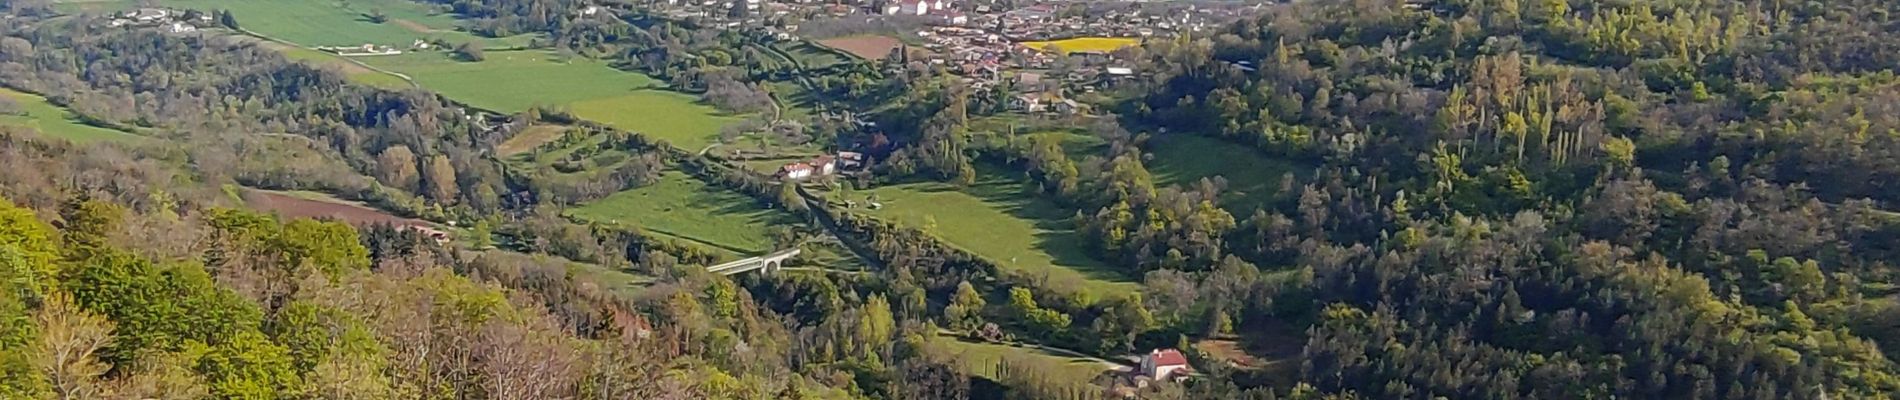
point(1231, 351)
point(527, 140)
point(866, 47)
point(412, 26)
point(296, 207)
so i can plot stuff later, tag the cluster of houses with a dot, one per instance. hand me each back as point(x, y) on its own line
point(173, 21)
point(821, 166)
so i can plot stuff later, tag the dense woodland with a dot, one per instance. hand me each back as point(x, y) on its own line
point(1492, 199)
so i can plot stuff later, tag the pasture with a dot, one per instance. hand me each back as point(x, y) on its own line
point(683, 207)
point(1085, 44)
point(1253, 179)
point(54, 121)
point(513, 81)
point(998, 220)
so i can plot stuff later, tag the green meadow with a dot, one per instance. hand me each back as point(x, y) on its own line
point(683, 207)
point(54, 121)
point(983, 359)
point(997, 220)
point(1253, 179)
point(513, 81)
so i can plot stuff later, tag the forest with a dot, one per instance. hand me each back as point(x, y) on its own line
point(1492, 199)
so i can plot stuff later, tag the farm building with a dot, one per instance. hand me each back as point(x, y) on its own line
point(1164, 363)
point(818, 166)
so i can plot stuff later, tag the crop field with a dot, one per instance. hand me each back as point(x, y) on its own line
point(54, 121)
point(869, 47)
point(301, 204)
point(686, 208)
point(1090, 44)
point(1253, 179)
point(324, 22)
point(995, 219)
point(513, 81)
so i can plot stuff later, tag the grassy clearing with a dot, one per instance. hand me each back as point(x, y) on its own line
point(685, 208)
point(995, 219)
point(54, 121)
point(981, 359)
point(1089, 44)
point(513, 81)
point(1253, 179)
point(325, 22)
point(811, 56)
point(529, 139)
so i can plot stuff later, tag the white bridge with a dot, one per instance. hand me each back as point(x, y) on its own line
point(769, 263)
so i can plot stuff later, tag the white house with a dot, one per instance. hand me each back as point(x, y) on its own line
point(795, 171)
point(180, 27)
point(1164, 364)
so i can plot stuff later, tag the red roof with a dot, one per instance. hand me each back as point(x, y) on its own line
point(1168, 357)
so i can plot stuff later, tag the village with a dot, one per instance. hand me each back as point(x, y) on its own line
point(1044, 53)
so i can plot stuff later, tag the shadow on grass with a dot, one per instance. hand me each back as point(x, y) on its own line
point(1056, 233)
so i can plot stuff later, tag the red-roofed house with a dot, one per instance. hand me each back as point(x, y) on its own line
point(1164, 364)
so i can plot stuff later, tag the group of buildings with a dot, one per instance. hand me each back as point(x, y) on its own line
point(173, 21)
point(821, 166)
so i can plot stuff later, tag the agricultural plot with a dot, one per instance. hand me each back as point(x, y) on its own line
point(1253, 179)
point(997, 220)
point(869, 47)
point(324, 22)
point(35, 112)
point(513, 81)
point(1085, 44)
point(686, 208)
point(302, 204)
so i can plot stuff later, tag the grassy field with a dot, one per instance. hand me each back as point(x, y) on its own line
point(995, 219)
point(324, 22)
point(1094, 44)
point(685, 208)
point(677, 118)
point(811, 56)
point(981, 359)
point(1253, 179)
point(53, 121)
point(513, 81)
